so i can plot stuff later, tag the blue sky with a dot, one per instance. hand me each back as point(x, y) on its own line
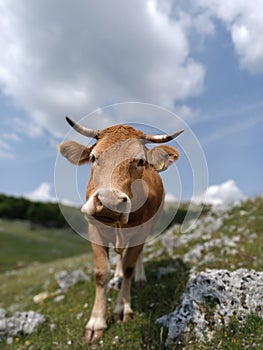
point(202, 60)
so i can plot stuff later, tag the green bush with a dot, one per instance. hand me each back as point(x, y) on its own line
point(45, 214)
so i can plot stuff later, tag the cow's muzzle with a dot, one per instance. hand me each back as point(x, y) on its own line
point(108, 206)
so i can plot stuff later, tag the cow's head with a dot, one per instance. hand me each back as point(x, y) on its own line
point(120, 167)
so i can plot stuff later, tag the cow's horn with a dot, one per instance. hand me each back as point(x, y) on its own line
point(82, 130)
point(161, 138)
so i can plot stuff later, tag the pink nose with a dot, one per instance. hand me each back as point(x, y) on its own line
point(113, 200)
point(108, 206)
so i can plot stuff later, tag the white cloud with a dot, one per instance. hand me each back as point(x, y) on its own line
point(31, 129)
point(5, 150)
point(186, 112)
point(10, 136)
point(42, 193)
point(224, 194)
point(61, 58)
point(170, 197)
point(244, 20)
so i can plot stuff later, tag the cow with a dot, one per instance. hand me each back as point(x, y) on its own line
point(124, 199)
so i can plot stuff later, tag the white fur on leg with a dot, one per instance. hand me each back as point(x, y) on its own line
point(115, 282)
point(118, 270)
point(140, 277)
point(127, 311)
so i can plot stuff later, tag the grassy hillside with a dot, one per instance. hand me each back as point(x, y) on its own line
point(228, 240)
point(220, 239)
point(22, 243)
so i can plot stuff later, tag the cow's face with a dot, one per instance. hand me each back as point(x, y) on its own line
point(120, 164)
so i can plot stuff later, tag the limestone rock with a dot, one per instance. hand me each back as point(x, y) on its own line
point(228, 294)
point(21, 323)
point(66, 279)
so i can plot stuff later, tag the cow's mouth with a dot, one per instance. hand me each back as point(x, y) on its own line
point(105, 219)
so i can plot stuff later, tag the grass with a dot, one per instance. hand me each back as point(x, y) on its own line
point(19, 286)
point(233, 337)
point(246, 222)
point(64, 327)
point(66, 319)
point(22, 243)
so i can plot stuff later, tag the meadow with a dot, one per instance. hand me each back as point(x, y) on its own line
point(31, 255)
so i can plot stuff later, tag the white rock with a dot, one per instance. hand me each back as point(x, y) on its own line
point(40, 297)
point(58, 298)
point(236, 293)
point(2, 314)
point(9, 340)
point(20, 323)
point(66, 279)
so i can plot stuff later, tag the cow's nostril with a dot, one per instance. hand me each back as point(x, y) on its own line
point(98, 203)
point(124, 199)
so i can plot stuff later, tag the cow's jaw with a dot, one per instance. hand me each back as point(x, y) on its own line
point(108, 206)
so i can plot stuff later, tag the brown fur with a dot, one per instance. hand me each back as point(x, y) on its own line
point(119, 132)
point(121, 162)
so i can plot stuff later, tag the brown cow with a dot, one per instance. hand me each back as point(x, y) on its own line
point(124, 199)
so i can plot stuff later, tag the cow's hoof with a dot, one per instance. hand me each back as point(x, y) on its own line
point(120, 317)
point(128, 316)
point(92, 336)
point(115, 283)
point(140, 283)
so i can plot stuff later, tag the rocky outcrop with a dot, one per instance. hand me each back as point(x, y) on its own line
point(66, 279)
point(210, 300)
point(21, 323)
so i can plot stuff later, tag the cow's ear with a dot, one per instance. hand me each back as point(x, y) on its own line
point(161, 157)
point(75, 152)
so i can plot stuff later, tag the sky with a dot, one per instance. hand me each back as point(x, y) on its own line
point(161, 65)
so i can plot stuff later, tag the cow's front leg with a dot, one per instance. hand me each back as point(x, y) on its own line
point(115, 282)
point(123, 310)
point(97, 321)
point(140, 278)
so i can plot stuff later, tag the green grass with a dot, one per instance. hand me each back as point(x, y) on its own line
point(233, 337)
point(22, 243)
point(68, 317)
point(19, 287)
point(245, 221)
point(64, 328)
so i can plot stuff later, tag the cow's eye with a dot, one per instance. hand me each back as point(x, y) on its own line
point(141, 162)
point(92, 158)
